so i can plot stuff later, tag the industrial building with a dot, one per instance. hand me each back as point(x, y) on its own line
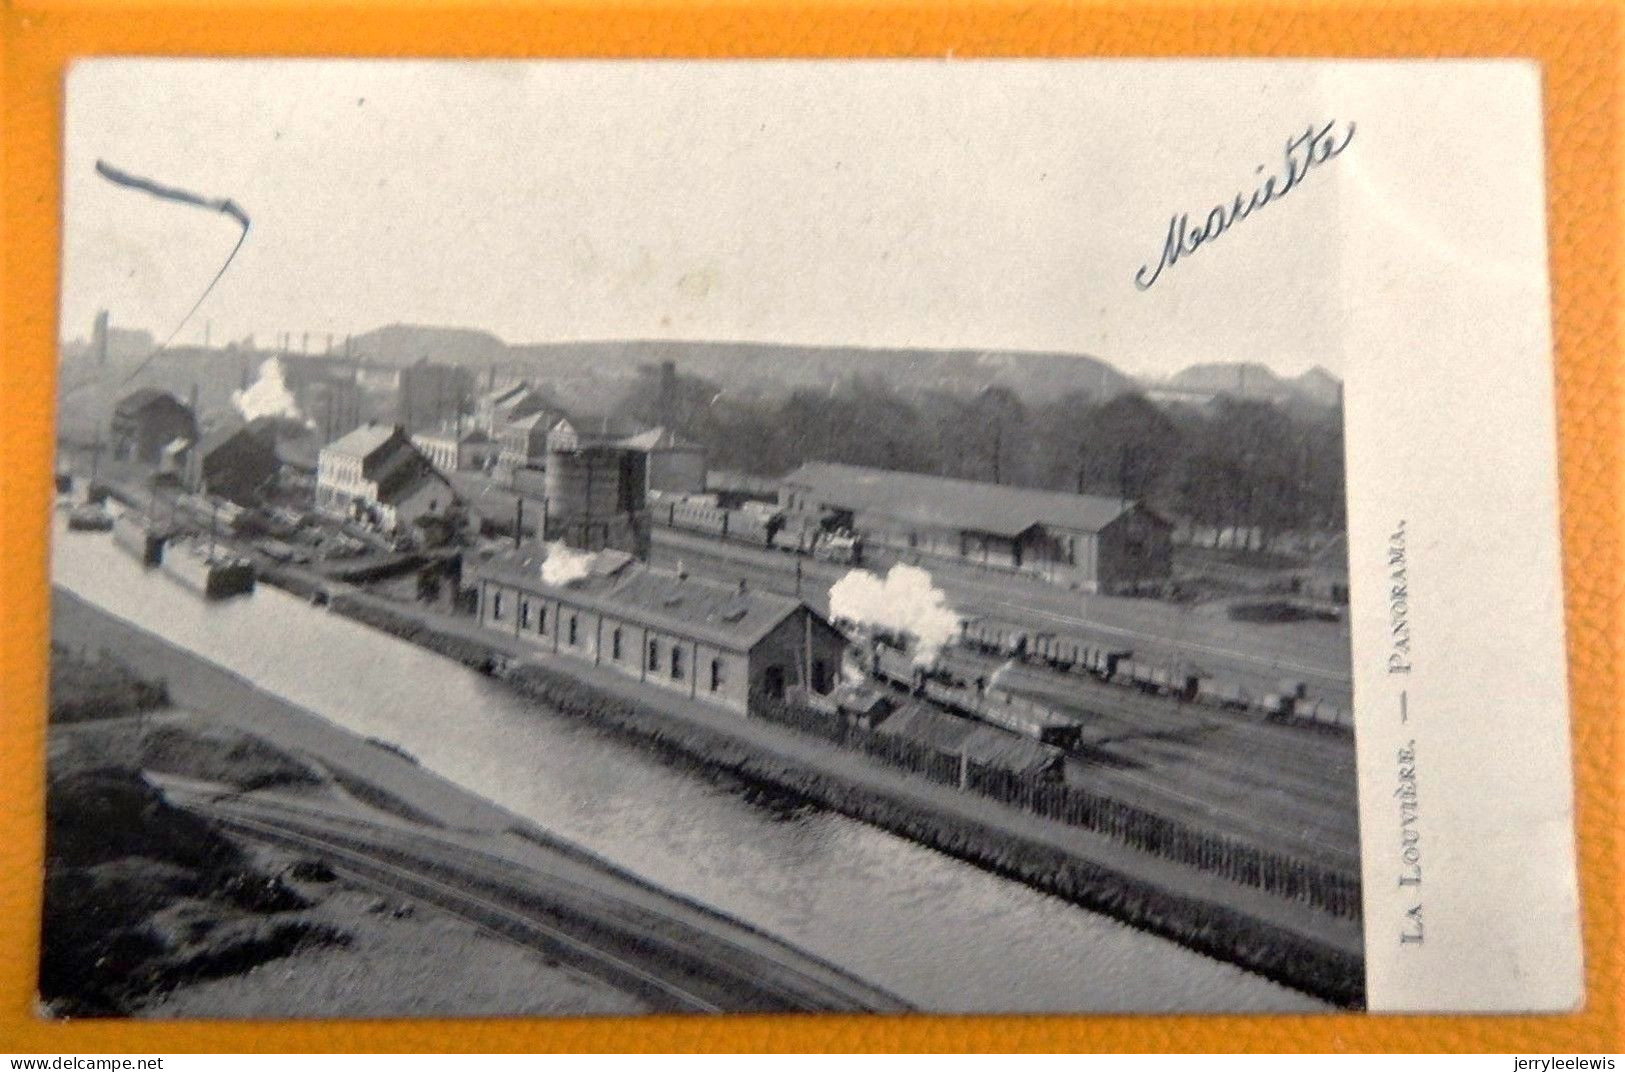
point(376, 476)
point(522, 443)
point(431, 394)
point(234, 461)
point(986, 746)
point(500, 407)
point(673, 465)
point(719, 644)
point(1094, 543)
point(596, 487)
point(454, 450)
point(145, 421)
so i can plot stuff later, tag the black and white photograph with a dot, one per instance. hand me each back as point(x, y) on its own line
point(607, 538)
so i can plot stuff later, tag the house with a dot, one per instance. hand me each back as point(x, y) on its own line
point(145, 421)
point(719, 644)
point(376, 476)
point(524, 441)
point(1096, 543)
point(235, 461)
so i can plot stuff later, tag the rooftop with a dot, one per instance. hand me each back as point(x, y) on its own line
point(921, 722)
point(617, 584)
point(142, 397)
point(945, 502)
point(362, 442)
point(658, 439)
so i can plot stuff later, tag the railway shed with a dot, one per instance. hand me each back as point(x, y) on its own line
point(1091, 542)
point(986, 746)
point(717, 643)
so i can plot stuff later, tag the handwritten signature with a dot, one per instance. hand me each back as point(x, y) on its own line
point(1304, 153)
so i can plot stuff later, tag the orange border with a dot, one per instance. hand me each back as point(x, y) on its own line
point(1579, 45)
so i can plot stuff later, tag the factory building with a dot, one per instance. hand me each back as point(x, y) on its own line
point(235, 461)
point(672, 464)
point(432, 394)
point(498, 408)
point(523, 443)
point(145, 421)
point(376, 476)
point(453, 450)
point(714, 643)
point(1094, 543)
point(986, 746)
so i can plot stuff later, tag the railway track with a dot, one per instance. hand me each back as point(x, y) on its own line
point(675, 967)
point(775, 570)
point(1215, 768)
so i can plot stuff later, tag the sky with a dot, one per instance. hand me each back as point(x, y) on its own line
point(983, 205)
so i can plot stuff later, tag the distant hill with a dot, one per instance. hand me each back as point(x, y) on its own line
point(1320, 386)
point(1251, 380)
point(748, 367)
point(402, 344)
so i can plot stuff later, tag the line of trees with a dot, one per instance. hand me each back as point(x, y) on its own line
point(1262, 466)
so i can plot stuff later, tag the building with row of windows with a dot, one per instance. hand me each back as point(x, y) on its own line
point(375, 475)
point(1091, 542)
point(715, 643)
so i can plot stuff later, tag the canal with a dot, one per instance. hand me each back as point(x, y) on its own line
point(940, 933)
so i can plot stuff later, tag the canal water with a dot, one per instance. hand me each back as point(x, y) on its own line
point(943, 935)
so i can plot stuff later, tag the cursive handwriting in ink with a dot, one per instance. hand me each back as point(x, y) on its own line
point(1304, 153)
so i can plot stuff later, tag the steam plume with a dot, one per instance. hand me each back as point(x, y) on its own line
point(565, 564)
point(905, 600)
point(268, 396)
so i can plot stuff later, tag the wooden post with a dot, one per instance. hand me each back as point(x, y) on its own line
point(518, 522)
point(964, 770)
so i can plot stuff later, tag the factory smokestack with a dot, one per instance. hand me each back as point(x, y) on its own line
point(668, 394)
point(98, 338)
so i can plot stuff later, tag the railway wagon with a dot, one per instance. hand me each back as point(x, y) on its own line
point(745, 526)
point(994, 639)
point(1225, 694)
point(999, 708)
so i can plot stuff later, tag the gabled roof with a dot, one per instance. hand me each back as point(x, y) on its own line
point(600, 430)
point(944, 502)
point(919, 721)
point(363, 442)
point(618, 585)
point(658, 439)
point(142, 397)
point(504, 394)
point(543, 418)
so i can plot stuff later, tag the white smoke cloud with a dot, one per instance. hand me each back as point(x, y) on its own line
point(565, 564)
point(267, 396)
point(905, 600)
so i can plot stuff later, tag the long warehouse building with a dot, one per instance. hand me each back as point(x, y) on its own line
point(1091, 542)
point(710, 642)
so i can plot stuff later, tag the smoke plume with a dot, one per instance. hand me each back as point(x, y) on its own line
point(268, 396)
point(905, 600)
point(565, 564)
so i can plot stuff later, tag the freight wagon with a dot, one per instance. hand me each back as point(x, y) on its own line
point(996, 707)
point(1289, 703)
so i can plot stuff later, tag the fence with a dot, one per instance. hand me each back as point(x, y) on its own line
point(1334, 892)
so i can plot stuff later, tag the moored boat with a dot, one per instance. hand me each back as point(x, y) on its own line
point(212, 573)
point(90, 517)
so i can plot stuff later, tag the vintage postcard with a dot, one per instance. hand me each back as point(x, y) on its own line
point(602, 538)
